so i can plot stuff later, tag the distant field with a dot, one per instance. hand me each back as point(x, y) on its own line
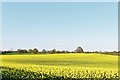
point(60, 66)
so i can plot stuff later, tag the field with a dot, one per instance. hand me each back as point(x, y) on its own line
point(60, 67)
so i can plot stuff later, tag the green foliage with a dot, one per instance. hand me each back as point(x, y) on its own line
point(35, 50)
point(79, 50)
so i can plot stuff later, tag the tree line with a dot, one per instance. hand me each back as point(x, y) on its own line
point(36, 51)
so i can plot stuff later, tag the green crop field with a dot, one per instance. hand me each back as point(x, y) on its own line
point(60, 66)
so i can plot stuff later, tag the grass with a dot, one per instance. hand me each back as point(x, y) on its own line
point(62, 66)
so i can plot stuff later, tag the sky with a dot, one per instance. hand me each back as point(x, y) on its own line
point(0, 26)
point(60, 25)
point(60, 0)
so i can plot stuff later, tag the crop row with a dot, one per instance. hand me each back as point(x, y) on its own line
point(34, 73)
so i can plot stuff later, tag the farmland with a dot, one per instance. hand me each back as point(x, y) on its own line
point(59, 66)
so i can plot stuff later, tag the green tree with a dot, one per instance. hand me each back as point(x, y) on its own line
point(44, 51)
point(35, 50)
point(53, 51)
point(30, 51)
point(79, 50)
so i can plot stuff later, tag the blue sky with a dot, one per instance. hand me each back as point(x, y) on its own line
point(59, 0)
point(63, 26)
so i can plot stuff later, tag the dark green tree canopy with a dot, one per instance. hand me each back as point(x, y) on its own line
point(44, 51)
point(79, 50)
point(35, 50)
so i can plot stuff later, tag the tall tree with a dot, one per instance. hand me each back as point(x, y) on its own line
point(30, 51)
point(35, 50)
point(79, 50)
point(43, 51)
